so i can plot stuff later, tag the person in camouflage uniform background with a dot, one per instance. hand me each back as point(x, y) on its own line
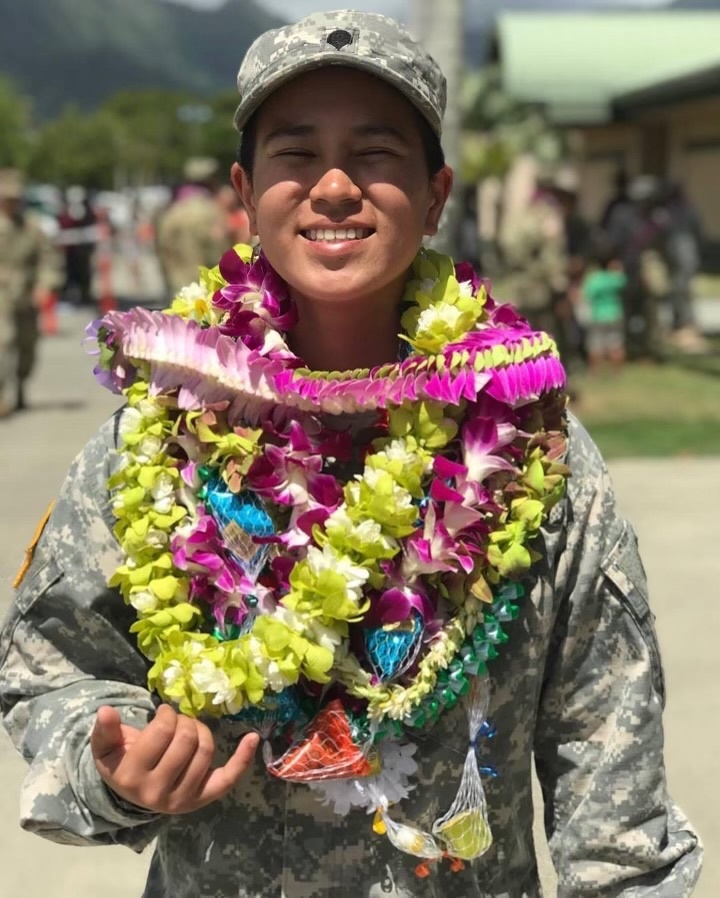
point(191, 232)
point(29, 271)
point(580, 685)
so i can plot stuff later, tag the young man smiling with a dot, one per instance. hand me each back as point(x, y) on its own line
point(342, 175)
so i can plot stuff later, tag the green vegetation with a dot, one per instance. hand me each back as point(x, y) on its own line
point(87, 50)
point(499, 128)
point(654, 410)
point(15, 118)
point(151, 83)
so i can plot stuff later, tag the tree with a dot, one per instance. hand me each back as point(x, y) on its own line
point(219, 138)
point(500, 128)
point(15, 118)
point(76, 149)
point(156, 136)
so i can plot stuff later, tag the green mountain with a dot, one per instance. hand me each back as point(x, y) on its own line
point(697, 5)
point(82, 51)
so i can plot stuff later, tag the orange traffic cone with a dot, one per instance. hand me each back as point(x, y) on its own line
point(107, 300)
point(48, 315)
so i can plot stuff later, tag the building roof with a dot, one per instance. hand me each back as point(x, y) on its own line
point(695, 86)
point(576, 63)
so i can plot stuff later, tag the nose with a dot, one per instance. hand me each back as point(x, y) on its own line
point(335, 188)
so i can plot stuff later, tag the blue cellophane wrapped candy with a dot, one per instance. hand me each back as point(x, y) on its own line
point(392, 648)
point(241, 516)
point(277, 710)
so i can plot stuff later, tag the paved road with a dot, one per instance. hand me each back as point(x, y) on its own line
point(673, 505)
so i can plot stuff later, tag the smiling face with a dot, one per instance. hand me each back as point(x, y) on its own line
point(340, 194)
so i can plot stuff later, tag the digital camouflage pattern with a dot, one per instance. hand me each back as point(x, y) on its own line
point(580, 684)
point(367, 41)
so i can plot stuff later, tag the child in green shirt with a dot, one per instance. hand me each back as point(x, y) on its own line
point(602, 290)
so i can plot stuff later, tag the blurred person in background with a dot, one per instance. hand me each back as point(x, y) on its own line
point(29, 273)
point(534, 250)
point(191, 232)
point(637, 231)
point(602, 292)
point(545, 249)
point(78, 237)
point(619, 198)
point(237, 221)
point(567, 329)
point(683, 252)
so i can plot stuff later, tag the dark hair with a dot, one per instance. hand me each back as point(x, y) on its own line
point(605, 252)
point(432, 148)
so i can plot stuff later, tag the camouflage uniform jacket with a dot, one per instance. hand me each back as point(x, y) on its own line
point(579, 684)
point(190, 234)
point(28, 262)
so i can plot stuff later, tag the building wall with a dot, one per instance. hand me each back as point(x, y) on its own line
point(603, 151)
point(680, 142)
point(693, 130)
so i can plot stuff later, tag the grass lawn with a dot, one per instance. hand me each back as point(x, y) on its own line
point(707, 285)
point(654, 410)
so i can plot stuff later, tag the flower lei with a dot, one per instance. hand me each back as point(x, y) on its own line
point(275, 582)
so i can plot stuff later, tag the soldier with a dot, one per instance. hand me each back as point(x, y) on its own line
point(341, 119)
point(29, 271)
point(191, 232)
point(535, 254)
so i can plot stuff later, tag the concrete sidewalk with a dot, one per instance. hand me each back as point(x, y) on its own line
point(672, 503)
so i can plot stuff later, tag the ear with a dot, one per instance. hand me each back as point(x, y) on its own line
point(440, 187)
point(243, 185)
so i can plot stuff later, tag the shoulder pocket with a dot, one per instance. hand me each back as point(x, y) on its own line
point(34, 585)
point(37, 583)
point(624, 569)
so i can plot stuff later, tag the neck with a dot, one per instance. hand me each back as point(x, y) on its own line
point(339, 337)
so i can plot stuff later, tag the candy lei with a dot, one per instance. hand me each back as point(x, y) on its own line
point(282, 580)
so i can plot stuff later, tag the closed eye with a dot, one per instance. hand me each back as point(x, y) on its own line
point(294, 151)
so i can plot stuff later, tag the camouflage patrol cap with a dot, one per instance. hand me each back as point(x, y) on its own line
point(369, 42)
point(199, 168)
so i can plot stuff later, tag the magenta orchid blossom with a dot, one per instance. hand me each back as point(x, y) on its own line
point(481, 438)
point(397, 604)
point(216, 578)
point(432, 549)
point(253, 287)
point(292, 474)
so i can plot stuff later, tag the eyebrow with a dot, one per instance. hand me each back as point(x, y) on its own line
point(285, 131)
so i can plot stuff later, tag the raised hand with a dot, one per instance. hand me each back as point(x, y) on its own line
point(166, 766)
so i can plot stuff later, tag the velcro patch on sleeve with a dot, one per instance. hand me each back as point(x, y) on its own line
point(30, 550)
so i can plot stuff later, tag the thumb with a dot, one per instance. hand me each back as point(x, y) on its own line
point(221, 780)
point(106, 736)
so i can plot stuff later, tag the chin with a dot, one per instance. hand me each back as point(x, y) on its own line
point(336, 290)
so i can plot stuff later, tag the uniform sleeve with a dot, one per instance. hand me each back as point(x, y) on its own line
point(65, 651)
point(48, 268)
point(613, 829)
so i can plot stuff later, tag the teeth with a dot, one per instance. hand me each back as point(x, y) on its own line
point(338, 234)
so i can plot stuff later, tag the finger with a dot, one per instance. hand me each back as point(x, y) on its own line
point(189, 784)
point(221, 780)
point(178, 754)
point(106, 736)
point(154, 740)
